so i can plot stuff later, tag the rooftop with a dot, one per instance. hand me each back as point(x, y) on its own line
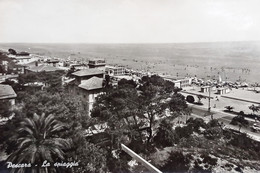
point(6, 92)
point(97, 59)
point(69, 81)
point(22, 57)
point(53, 61)
point(41, 68)
point(114, 67)
point(92, 83)
point(97, 62)
point(31, 64)
point(175, 78)
point(87, 72)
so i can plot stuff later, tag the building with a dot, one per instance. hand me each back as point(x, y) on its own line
point(87, 84)
point(87, 74)
point(52, 62)
point(90, 89)
point(206, 89)
point(7, 94)
point(183, 83)
point(222, 91)
point(42, 68)
point(179, 82)
point(115, 70)
point(78, 66)
point(97, 63)
point(24, 59)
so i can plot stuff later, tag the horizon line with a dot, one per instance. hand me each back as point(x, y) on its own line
point(129, 42)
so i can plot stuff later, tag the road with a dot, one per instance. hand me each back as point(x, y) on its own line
point(200, 112)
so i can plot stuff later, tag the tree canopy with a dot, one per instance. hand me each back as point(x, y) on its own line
point(138, 107)
point(38, 140)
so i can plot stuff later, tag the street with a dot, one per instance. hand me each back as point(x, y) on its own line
point(200, 112)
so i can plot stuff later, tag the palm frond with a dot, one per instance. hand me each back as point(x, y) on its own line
point(37, 140)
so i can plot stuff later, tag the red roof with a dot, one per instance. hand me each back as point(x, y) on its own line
point(6, 92)
point(92, 83)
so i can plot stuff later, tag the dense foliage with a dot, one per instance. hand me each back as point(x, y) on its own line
point(37, 140)
point(141, 114)
point(134, 109)
point(65, 108)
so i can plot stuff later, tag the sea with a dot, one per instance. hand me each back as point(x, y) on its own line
point(230, 61)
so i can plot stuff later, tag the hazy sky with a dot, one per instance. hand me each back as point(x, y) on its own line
point(129, 21)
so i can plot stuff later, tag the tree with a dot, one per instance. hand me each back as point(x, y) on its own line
point(152, 105)
point(229, 108)
point(2, 69)
point(176, 90)
point(240, 121)
point(177, 162)
point(155, 80)
point(165, 135)
point(5, 109)
point(38, 140)
point(66, 108)
point(190, 99)
point(135, 108)
point(178, 106)
point(12, 51)
point(92, 157)
point(124, 82)
point(120, 109)
point(52, 80)
point(200, 97)
point(254, 108)
point(70, 71)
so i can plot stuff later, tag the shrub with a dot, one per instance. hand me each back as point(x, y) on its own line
point(242, 113)
point(238, 169)
point(244, 142)
point(239, 120)
point(213, 133)
point(190, 99)
point(207, 159)
point(177, 162)
point(198, 168)
point(213, 123)
point(182, 132)
point(196, 123)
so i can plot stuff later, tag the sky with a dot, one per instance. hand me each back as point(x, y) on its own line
point(128, 21)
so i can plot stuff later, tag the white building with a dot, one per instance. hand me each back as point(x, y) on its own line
point(115, 70)
point(179, 82)
point(21, 60)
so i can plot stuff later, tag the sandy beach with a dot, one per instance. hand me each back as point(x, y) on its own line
point(233, 61)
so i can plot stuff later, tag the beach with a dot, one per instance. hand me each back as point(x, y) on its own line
point(233, 61)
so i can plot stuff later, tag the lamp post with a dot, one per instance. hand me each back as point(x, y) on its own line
point(209, 99)
point(209, 107)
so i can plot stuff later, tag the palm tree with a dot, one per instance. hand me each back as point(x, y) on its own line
point(229, 108)
point(38, 141)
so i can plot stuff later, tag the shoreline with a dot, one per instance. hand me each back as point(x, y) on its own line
point(175, 61)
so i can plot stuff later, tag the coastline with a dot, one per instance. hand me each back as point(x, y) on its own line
point(206, 61)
